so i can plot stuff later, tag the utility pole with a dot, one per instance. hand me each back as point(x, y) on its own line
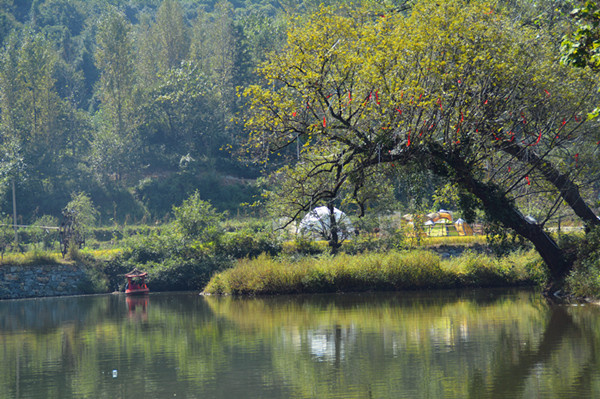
point(14, 201)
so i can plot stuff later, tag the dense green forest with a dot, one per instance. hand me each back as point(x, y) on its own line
point(131, 102)
point(135, 104)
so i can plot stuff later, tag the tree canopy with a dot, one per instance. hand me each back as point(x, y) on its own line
point(456, 88)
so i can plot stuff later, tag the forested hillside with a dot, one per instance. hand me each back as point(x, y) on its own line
point(131, 102)
point(135, 102)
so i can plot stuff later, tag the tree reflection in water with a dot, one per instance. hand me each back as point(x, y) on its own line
point(444, 344)
point(512, 374)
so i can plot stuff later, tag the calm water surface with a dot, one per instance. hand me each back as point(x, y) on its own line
point(449, 344)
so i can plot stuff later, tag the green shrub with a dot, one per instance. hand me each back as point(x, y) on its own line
point(198, 220)
point(302, 245)
point(115, 269)
point(154, 247)
point(584, 280)
point(183, 275)
point(173, 259)
point(40, 234)
point(96, 280)
point(246, 243)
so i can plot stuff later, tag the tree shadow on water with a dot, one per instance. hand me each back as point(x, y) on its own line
point(513, 369)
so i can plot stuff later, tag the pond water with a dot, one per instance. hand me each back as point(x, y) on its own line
point(446, 344)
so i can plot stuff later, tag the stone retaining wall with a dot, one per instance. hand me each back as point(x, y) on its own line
point(40, 281)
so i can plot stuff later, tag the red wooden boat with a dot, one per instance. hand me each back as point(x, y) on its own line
point(136, 283)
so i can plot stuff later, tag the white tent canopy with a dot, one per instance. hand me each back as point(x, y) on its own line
point(318, 222)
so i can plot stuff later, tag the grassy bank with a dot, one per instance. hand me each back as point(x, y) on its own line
point(394, 270)
point(33, 258)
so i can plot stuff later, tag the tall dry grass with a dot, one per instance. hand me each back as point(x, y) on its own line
point(394, 270)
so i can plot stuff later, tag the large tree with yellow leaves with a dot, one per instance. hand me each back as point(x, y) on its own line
point(454, 87)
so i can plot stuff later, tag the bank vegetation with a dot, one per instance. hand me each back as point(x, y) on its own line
point(394, 270)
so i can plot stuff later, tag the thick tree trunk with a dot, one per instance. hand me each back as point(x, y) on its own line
point(334, 237)
point(500, 208)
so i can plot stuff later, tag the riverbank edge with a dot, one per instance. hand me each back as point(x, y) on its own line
point(44, 280)
point(90, 277)
point(420, 269)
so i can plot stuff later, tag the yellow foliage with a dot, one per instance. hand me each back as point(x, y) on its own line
point(354, 89)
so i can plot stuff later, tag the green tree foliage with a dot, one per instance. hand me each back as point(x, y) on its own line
point(172, 34)
point(455, 88)
point(98, 87)
point(46, 128)
point(263, 33)
point(11, 162)
point(30, 103)
point(197, 219)
point(7, 25)
point(162, 42)
point(581, 47)
point(83, 213)
point(219, 49)
point(64, 13)
point(116, 141)
point(179, 112)
point(147, 50)
point(115, 61)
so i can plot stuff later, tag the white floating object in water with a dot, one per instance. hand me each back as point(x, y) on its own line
point(115, 373)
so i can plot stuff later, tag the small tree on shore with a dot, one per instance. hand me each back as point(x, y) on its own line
point(198, 220)
point(82, 215)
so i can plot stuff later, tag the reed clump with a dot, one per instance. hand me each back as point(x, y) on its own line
point(370, 271)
